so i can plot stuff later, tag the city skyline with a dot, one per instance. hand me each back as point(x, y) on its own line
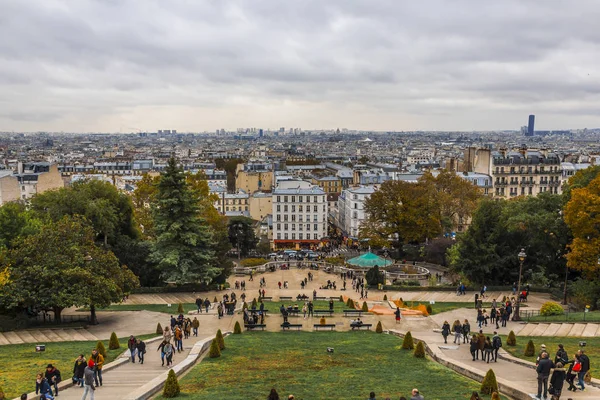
point(113, 67)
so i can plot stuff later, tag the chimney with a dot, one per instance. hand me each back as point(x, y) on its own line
point(503, 152)
point(523, 150)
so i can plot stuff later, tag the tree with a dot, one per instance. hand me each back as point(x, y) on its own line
point(489, 384)
point(581, 179)
point(365, 307)
point(16, 221)
point(61, 266)
point(183, 249)
point(582, 215)
point(172, 387)
point(113, 342)
point(101, 349)
point(408, 343)
point(374, 276)
point(511, 340)
point(237, 329)
point(214, 351)
point(419, 350)
point(529, 349)
point(230, 166)
point(241, 234)
point(220, 340)
point(159, 329)
point(378, 328)
point(142, 198)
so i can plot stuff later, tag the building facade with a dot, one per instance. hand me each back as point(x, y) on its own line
point(351, 209)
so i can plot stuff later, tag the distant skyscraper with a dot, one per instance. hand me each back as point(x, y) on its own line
point(530, 126)
point(260, 133)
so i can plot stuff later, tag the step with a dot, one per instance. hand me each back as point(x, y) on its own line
point(64, 336)
point(552, 329)
point(527, 330)
point(13, 338)
point(87, 335)
point(577, 330)
point(40, 338)
point(74, 334)
point(53, 337)
point(3, 339)
point(564, 330)
point(590, 330)
point(539, 330)
point(26, 337)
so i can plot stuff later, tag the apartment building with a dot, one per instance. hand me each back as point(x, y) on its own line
point(254, 176)
point(351, 209)
point(299, 215)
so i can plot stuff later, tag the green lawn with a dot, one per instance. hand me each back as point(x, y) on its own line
point(592, 316)
point(20, 363)
point(297, 363)
point(273, 306)
point(592, 348)
point(447, 306)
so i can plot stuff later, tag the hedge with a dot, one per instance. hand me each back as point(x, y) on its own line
point(405, 288)
point(195, 287)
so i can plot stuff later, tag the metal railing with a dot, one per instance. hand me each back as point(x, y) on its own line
point(567, 316)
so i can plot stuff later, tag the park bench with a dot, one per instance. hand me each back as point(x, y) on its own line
point(293, 312)
point(323, 312)
point(320, 298)
point(354, 312)
point(288, 326)
point(334, 298)
point(285, 298)
point(265, 311)
point(255, 326)
point(360, 326)
point(319, 326)
point(266, 298)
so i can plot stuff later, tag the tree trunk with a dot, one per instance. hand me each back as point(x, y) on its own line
point(57, 316)
point(93, 319)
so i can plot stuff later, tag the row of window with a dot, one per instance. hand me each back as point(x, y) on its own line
point(300, 208)
point(513, 170)
point(236, 201)
point(316, 199)
point(285, 227)
point(293, 218)
point(236, 208)
point(526, 190)
point(300, 236)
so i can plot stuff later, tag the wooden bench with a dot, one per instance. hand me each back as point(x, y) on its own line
point(323, 312)
point(359, 327)
point(320, 298)
point(255, 326)
point(334, 298)
point(265, 311)
point(266, 298)
point(354, 312)
point(293, 312)
point(285, 298)
point(288, 326)
point(319, 326)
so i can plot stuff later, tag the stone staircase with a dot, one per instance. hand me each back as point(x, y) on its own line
point(41, 336)
point(549, 329)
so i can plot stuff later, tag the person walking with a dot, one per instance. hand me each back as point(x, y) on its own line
point(131, 345)
point(310, 308)
point(53, 376)
point(543, 371)
point(88, 381)
point(398, 315)
point(466, 331)
point(585, 367)
point(79, 369)
point(195, 326)
point(169, 351)
point(199, 305)
point(304, 310)
point(488, 350)
point(445, 331)
point(574, 368)
point(178, 339)
point(167, 334)
point(98, 360)
point(141, 350)
point(561, 355)
point(457, 328)
point(474, 348)
point(557, 381)
point(481, 343)
point(496, 344)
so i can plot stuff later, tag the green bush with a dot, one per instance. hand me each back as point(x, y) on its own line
point(220, 340)
point(419, 350)
point(379, 328)
point(365, 307)
point(171, 388)
point(350, 304)
point(180, 309)
point(253, 262)
point(335, 260)
point(374, 276)
point(529, 349)
point(113, 343)
point(214, 349)
point(244, 306)
point(495, 396)
point(408, 343)
point(385, 297)
point(429, 309)
point(237, 329)
point(341, 298)
point(101, 349)
point(511, 340)
point(489, 384)
point(159, 329)
point(215, 300)
point(551, 308)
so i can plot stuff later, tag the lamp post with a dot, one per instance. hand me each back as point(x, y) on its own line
point(522, 256)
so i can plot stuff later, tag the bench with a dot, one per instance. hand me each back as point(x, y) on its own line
point(354, 312)
point(356, 326)
point(266, 298)
point(255, 326)
point(320, 298)
point(319, 326)
point(323, 312)
point(285, 298)
point(288, 326)
point(334, 298)
point(265, 311)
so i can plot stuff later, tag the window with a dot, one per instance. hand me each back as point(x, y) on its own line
point(530, 190)
point(285, 208)
point(316, 227)
point(323, 207)
point(293, 227)
point(355, 206)
point(308, 227)
point(279, 236)
point(293, 236)
point(300, 236)
point(293, 217)
point(246, 208)
point(285, 199)
point(278, 199)
point(300, 218)
point(293, 199)
point(278, 227)
point(299, 199)
point(299, 227)
point(315, 199)
point(285, 217)
point(316, 237)
point(354, 214)
point(293, 208)
point(285, 227)
point(285, 236)
point(278, 217)
point(522, 190)
point(316, 208)
point(300, 208)
point(308, 199)
point(278, 208)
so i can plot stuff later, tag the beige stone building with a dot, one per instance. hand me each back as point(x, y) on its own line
point(38, 177)
point(261, 205)
point(254, 177)
point(9, 187)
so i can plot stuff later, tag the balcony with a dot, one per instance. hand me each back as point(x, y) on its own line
point(554, 183)
point(500, 183)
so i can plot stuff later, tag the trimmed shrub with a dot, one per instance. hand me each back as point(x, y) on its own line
point(529, 349)
point(171, 388)
point(254, 303)
point(159, 329)
point(113, 343)
point(419, 350)
point(101, 349)
point(495, 396)
point(341, 298)
point(180, 309)
point(408, 343)
point(322, 321)
point(489, 384)
point(365, 307)
point(215, 300)
point(220, 340)
point(253, 262)
point(214, 349)
point(511, 340)
point(551, 308)
point(379, 328)
point(429, 309)
point(385, 297)
point(237, 329)
point(244, 306)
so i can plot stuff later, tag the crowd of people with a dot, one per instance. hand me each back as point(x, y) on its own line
point(574, 374)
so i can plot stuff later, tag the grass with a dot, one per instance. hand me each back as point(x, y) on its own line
point(441, 307)
point(273, 306)
point(20, 363)
point(592, 316)
point(592, 348)
point(299, 364)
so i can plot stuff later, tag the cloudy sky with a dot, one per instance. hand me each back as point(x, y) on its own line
point(198, 65)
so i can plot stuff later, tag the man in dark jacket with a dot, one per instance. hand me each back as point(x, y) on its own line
point(141, 349)
point(199, 304)
point(558, 379)
point(53, 376)
point(585, 367)
point(131, 345)
point(88, 380)
point(561, 355)
point(543, 370)
point(78, 370)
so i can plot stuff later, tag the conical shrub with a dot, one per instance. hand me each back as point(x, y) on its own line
point(101, 349)
point(529, 349)
point(220, 340)
point(495, 396)
point(408, 343)
point(429, 309)
point(244, 306)
point(215, 300)
point(419, 350)
point(511, 340)
point(214, 351)
point(237, 329)
point(379, 328)
point(159, 329)
point(322, 321)
point(171, 388)
point(365, 307)
point(385, 297)
point(180, 309)
point(489, 384)
point(113, 342)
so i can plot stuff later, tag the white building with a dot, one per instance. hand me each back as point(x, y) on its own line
point(299, 215)
point(351, 209)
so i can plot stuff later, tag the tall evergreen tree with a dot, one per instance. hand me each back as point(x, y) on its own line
point(184, 245)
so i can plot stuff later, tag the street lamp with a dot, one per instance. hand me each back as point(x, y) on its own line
point(522, 256)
